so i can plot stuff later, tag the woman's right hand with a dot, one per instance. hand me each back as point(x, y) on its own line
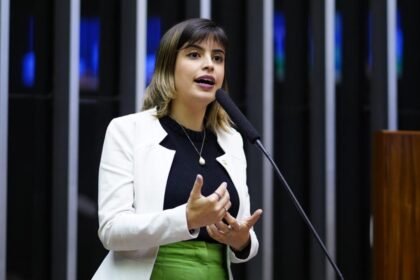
point(206, 210)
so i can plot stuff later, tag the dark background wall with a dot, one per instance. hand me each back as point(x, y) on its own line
point(30, 140)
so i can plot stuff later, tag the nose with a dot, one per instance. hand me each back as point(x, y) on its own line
point(208, 63)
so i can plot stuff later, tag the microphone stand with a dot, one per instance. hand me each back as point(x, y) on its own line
point(299, 207)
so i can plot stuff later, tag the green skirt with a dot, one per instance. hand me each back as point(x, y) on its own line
point(190, 260)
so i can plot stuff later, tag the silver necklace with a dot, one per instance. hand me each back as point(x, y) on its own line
point(201, 160)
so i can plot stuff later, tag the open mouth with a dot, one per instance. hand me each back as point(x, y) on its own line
point(205, 80)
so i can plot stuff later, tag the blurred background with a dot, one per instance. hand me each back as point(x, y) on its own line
point(316, 78)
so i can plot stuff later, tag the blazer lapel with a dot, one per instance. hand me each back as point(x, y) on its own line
point(234, 163)
point(152, 164)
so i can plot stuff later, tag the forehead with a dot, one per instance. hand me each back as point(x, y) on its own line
point(207, 43)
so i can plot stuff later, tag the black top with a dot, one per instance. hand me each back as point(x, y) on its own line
point(185, 168)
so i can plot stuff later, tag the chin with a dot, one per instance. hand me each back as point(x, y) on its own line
point(205, 99)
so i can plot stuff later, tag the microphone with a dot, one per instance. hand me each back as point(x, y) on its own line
point(236, 116)
point(252, 135)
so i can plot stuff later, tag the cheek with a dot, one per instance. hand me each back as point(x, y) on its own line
point(178, 75)
point(221, 75)
point(182, 71)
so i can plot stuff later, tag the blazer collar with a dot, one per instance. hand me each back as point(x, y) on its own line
point(228, 142)
point(151, 132)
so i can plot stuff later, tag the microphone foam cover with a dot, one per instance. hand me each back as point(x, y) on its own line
point(236, 115)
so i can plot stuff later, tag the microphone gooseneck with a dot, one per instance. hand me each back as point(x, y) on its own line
point(252, 135)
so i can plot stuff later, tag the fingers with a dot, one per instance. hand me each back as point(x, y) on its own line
point(232, 232)
point(248, 223)
point(224, 201)
point(218, 234)
point(232, 222)
point(220, 192)
point(198, 185)
point(214, 232)
point(223, 227)
point(218, 196)
point(222, 198)
point(254, 218)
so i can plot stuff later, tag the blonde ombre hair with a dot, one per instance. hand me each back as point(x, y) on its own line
point(161, 90)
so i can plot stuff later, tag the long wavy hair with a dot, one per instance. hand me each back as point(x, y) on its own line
point(161, 90)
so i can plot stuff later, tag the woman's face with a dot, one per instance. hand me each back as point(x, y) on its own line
point(199, 72)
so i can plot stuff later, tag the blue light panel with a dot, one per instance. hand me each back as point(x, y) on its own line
point(29, 57)
point(279, 45)
point(89, 53)
point(153, 39)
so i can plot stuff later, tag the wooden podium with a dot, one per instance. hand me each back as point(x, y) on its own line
point(396, 205)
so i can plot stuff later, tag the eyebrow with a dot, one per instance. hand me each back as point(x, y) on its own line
point(200, 48)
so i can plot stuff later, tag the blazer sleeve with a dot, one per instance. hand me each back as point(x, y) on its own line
point(254, 242)
point(121, 227)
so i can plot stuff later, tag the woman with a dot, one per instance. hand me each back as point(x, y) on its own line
point(173, 199)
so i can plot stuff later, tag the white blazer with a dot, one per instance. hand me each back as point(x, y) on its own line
point(133, 172)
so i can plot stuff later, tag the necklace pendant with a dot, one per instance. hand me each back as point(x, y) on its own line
point(202, 161)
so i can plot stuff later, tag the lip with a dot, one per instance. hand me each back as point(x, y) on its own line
point(209, 78)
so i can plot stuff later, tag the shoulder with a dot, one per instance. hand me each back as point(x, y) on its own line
point(132, 119)
point(138, 129)
point(128, 123)
point(125, 126)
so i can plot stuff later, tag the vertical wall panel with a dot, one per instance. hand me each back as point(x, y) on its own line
point(267, 134)
point(130, 64)
point(317, 135)
point(291, 134)
point(65, 139)
point(205, 8)
point(352, 150)
point(236, 54)
point(194, 8)
point(391, 27)
point(383, 94)
point(141, 34)
point(29, 140)
point(330, 134)
point(408, 62)
point(4, 93)
point(322, 131)
point(254, 88)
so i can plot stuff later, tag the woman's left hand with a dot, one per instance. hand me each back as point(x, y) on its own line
point(232, 232)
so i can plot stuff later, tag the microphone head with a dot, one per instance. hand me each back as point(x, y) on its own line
point(237, 117)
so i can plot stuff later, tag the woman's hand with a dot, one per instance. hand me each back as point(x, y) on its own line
point(233, 232)
point(206, 210)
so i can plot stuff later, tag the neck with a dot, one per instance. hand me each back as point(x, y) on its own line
point(191, 118)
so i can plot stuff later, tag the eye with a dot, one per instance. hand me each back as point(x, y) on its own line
point(193, 55)
point(219, 58)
